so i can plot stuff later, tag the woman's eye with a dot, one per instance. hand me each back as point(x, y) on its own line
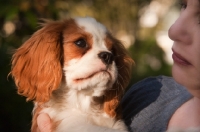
point(81, 43)
point(183, 5)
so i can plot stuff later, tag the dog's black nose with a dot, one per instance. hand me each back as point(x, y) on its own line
point(106, 57)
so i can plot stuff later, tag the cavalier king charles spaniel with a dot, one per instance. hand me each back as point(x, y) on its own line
point(75, 71)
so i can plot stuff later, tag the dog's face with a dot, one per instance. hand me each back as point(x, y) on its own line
point(82, 52)
point(89, 64)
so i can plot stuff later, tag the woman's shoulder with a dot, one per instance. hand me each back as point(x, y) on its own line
point(153, 83)
point(151, 101)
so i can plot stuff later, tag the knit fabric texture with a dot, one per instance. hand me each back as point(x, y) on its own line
point(149, 104)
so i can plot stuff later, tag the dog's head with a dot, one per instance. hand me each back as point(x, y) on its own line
point(79, 50)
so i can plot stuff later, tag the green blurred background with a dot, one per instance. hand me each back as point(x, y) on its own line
point(141, 24)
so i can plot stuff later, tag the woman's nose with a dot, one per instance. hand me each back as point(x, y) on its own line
point(179, 31)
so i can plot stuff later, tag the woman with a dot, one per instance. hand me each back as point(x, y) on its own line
point(173, 107)
point(159, 103)
point(186, 69)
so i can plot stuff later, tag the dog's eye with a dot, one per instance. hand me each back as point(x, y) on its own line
point(81, 43)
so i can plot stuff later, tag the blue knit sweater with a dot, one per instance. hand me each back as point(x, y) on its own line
point(149, 104)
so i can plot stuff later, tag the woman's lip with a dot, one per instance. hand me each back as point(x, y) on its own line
point(179, 59)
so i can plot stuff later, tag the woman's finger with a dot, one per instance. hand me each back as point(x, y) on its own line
point(44, 122)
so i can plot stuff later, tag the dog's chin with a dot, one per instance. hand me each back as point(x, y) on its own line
point(93, 84)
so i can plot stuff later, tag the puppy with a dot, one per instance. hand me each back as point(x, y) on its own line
point(75, 71)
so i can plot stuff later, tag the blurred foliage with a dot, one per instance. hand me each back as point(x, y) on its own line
point(18, 20)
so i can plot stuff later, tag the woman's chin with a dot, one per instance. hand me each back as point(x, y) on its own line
point(179, 75)
point(187, 78)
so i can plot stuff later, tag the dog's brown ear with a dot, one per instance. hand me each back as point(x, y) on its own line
point(37, 64)
point(124, 65)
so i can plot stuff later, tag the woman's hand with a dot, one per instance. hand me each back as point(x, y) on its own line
point(44, 123)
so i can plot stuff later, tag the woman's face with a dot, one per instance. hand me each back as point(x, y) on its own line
point(185, 33)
